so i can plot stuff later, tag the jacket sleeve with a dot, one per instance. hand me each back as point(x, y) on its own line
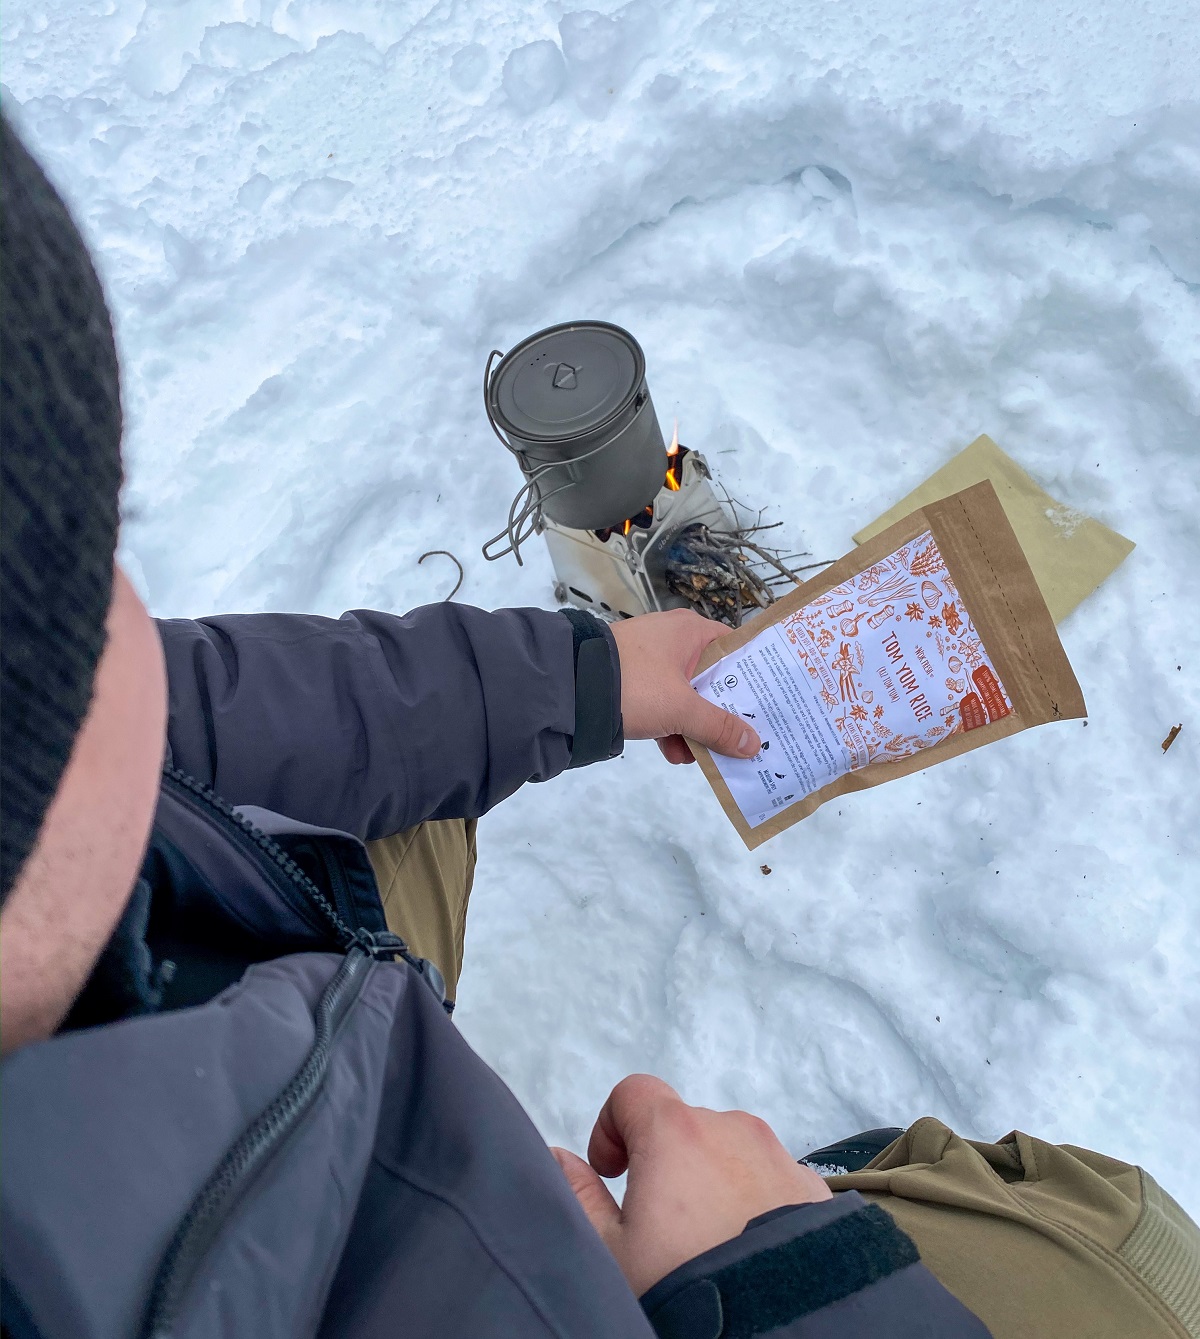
point(840, 1269)
point(374, 722)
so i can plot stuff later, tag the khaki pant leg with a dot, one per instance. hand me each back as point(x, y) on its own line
point(425, 876)
point(1041, 1241)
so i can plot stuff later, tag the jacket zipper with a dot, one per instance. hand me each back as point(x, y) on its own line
point(375, 943)
point(256, 842)
point(251, 1151)
point(259, 1141)
point(338, 883)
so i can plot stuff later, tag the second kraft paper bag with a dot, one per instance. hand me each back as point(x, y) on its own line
point(1070, 554)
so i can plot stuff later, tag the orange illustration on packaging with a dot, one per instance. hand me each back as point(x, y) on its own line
point(877, 693)
point(929, 641)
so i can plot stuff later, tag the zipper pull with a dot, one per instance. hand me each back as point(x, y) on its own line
point(385, 944)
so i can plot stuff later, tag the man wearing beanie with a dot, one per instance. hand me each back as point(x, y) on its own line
point(236, 855)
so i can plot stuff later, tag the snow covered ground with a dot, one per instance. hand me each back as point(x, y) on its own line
point(850, 237)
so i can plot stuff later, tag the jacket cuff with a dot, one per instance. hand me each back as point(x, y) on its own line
point(598, 731)
point(789, 1264)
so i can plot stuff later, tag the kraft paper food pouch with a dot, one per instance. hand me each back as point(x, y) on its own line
point(927, 641)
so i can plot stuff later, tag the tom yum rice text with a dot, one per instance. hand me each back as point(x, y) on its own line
point(927, 641)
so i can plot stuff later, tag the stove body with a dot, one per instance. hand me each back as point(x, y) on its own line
point(624, 574)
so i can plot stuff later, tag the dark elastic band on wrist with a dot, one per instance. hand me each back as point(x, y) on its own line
point(775, 1286)
point(598, 733)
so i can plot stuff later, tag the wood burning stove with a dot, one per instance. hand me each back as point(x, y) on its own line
point(632, 527)
point(623, 571)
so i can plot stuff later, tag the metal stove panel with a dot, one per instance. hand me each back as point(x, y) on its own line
point(624, 575)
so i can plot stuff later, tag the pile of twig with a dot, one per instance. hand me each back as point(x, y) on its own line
point(720, 573)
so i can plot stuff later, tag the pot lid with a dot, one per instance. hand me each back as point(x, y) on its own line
point(566, 381)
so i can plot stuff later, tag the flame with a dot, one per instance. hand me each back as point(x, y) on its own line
point(673, 462)
point(672, 481)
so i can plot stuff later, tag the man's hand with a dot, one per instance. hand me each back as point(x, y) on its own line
point(696, 1177)
point(658, 658)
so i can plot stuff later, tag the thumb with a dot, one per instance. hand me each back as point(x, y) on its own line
point(594, 1197)
point(721, 731)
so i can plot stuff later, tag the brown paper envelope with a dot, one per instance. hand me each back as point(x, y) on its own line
point(1070, 553)
point(995, 579)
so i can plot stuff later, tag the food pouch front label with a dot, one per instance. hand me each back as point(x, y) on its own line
point(875, 669)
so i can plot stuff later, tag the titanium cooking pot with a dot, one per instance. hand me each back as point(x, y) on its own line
point(571, 404)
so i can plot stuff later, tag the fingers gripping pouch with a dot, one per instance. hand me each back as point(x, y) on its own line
point(928, 641)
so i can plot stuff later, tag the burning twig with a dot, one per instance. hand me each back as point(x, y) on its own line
point(445, 553)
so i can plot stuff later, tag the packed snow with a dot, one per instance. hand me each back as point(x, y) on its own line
point(850, 237)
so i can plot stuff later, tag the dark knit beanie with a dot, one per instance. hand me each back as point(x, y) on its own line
point(60, 439)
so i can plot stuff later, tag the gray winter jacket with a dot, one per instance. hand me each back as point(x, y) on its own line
point(262, 1122)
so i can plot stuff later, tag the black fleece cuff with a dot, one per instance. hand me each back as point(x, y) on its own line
point(598, 733)
point(785, 1265)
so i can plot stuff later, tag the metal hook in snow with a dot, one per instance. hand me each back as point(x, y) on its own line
point(445, 553)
